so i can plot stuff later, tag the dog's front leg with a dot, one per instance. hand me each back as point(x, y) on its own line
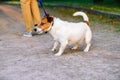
point(62, 48)
point(55, 46)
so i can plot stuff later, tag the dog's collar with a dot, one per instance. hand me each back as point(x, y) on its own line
point(86, 22)
point(51, 25)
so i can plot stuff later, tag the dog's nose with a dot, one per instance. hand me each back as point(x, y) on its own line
point(46, 32)
point(35, 29)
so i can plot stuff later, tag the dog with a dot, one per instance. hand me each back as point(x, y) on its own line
point(66, 33)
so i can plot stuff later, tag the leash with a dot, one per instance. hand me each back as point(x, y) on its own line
point(41, 5)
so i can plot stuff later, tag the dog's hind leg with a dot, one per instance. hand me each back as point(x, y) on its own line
point(88, 38)
point(76, 46)
point(63, 45)
point(78, 43)
point(87, 47)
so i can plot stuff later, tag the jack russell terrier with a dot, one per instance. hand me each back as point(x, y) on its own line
point(66, 33)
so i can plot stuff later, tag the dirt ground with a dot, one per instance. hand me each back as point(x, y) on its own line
point(24, 58)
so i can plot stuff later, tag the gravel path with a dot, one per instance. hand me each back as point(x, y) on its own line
point(24, 58)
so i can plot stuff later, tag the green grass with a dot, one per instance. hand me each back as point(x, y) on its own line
point(104, 7)
point(66, 14)
point(108, 5)
point(94, 18)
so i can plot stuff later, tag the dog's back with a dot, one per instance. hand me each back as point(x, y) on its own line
point(71, 30)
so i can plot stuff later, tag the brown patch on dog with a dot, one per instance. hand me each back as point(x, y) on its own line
point(86, 22)
point(46, 22)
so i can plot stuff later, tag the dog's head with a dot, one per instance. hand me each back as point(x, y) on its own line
point(45, 24)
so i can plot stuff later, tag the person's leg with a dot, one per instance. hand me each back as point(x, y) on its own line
point(35, 12)
point(26, 11)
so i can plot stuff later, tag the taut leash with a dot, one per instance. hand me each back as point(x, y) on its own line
point(41, 5)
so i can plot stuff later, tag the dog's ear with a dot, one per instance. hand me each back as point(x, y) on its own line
point(50, 19)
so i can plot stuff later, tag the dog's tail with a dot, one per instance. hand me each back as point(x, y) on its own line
point(85, 17)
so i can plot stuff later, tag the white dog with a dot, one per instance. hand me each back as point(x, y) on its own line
point(67, 33)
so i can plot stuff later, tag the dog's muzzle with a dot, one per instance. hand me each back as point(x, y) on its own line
point(35, 29)
point(38, 30)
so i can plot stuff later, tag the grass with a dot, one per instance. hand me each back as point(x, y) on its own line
point(94, 18)
point(66, 14)
point(104, 7)
point(108, 8)
point(108, 5)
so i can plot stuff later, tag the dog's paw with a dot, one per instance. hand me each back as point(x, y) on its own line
point(85, 50)
point(53, 50)
point(58, 54)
